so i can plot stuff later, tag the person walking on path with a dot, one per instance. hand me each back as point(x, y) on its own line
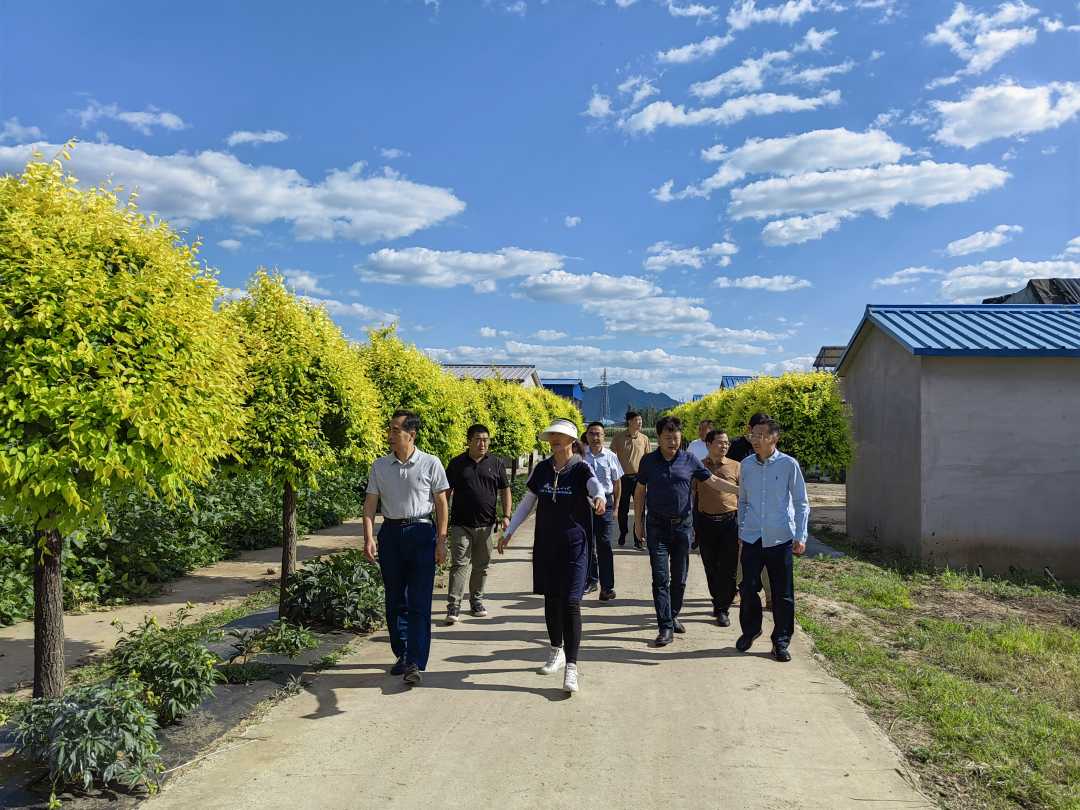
point(699, 447)
point(717, 527)
point(477, 481)
point(740, 449)
point(773, 515)
point(409, 484)
point(662, 517)
point(605, 466)
point(629, 446)
point(565, 493)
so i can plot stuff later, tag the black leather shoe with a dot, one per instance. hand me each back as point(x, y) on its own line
point(745, 642)
point(399, 667)
point(592, 587)
point(606, 596)
point(413, 676)
point(622, 540)
point(678, 626)
point(664, 638)
point(639, 545)
point(723, 619)
point(781, 653)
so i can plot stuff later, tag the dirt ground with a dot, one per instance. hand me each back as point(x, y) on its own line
point(828, 506)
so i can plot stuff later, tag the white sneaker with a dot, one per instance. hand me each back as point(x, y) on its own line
point(569, 683)
point(556, 661)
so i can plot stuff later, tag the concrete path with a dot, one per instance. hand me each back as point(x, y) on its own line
point(695, 724)
point(88, 635)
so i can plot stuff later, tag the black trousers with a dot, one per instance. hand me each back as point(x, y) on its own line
point(626, 498)
point(563, 619)
point(718, 539)
point(778, 561)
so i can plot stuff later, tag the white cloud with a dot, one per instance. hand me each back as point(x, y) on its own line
point(352, 309)
point(1051, 25)
point(804, 363)
point(676, 317)
point(1005, 110)
point(548, 334)
point(559, 285)
point(304, 282)
point(664, 255)
point(664, 113)
point(15, 132)
point(1073, 247)
point(878, 190)
point(255, 138)
point(492, 332)
point(1049, 150)
point(815, 40)
point(747, 76)
point(143, 121)
point(451, 268)
point(571, 222)
point(817, 75)
point(982, 40)
point(625, 3)
point(695, 51)
point(599, 106)
point(907, 277)
point(767, 283)
point(982, 240)
point(746, 13)
point(640, 87)
point(392, 153)
point(694, 10)
point(887, 119)
point(217, 186)
point(518, 7)
point(231, 244)
point(796, 230)
point(876, 54)
point(973, 282)
point(808, 151)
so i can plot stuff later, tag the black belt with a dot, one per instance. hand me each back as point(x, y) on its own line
point(722, 516)
point(665, 519)
point(405, 521)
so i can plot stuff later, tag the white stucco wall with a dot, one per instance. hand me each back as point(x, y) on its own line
point(1001, 463)
point(881, 387)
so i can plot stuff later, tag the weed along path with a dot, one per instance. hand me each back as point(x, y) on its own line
point(208, 589)
point(695, 724)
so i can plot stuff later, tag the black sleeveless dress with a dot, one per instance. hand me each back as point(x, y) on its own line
point(563, 526)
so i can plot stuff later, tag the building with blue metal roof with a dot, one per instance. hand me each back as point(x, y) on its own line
point(733, 381)
point(967, 436)
point(570, 388)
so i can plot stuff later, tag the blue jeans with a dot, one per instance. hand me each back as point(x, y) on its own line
point(601, 557)
point(777, 560)
point(407, 560)
point(669, 556)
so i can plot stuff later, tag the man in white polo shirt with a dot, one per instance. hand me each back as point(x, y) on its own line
point(409, 484)
point(605, 466)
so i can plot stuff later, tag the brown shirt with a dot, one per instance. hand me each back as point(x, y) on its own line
point(630, 451)
point(708, 499)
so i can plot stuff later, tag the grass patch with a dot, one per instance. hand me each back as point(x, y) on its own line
point(977, 680)
point(246, 672)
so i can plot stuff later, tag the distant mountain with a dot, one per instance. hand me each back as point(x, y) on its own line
point(620, 396)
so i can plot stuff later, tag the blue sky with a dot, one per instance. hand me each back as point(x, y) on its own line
point(671, 190)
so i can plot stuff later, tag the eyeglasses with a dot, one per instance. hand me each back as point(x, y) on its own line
point(760, 437)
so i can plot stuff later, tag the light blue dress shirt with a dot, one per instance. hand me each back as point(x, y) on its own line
point(773, 504)
point(606, 467)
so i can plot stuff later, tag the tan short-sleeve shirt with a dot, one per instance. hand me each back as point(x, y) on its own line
point(718, 503)
point(630, 451)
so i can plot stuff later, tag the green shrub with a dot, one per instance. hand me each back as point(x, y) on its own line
point(173, 664)
point(341, 590)
point(93, 733)
point(288, 639)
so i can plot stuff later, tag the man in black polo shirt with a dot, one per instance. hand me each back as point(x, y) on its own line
point(663, 489)
point(476, 481)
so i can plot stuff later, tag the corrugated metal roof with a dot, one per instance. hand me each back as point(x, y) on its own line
point(732, 380)
point(829, 356)
point(560, 381)
point(489, 371)
point(978, 330)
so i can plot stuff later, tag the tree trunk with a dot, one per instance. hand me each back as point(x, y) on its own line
point(514, 463)
point(532, 460)
point(48, 616)
point(288, 541)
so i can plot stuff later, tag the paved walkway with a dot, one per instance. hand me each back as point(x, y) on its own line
point(695, 724)
point(87, 635)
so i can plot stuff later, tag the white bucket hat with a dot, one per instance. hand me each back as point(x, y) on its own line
point(562, 426)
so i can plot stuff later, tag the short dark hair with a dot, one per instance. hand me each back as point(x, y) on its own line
point(411, 423)
point(668, 423)
point(712, 434)
point(631, 415)
point(704, 422)
point(759, 419)
point(772, 425)
point(474, 429)
point(591, 425)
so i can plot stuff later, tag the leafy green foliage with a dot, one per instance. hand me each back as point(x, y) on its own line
point(807, 406)
point(341, 590)
point(93, 733)
point(406, 378)
point(511, 422)
point(288, 639)
point(172, 663)
point(116, 371)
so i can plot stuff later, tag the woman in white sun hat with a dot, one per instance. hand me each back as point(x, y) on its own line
point(565, 493)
